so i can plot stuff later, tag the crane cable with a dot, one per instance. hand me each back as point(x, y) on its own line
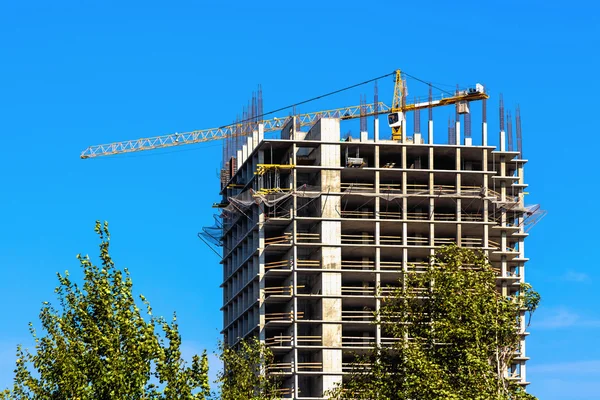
point(312, 99)
point(260, 117)
point(428, 83)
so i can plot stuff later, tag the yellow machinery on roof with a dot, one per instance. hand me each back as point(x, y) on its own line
point(396, 120)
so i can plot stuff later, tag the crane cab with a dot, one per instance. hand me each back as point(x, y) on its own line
point(395, 119)
point(462, 107)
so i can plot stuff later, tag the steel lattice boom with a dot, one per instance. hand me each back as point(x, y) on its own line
point(224, 132)
point(228, 131)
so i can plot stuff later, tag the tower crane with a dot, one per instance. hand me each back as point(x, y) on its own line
point(396, 120)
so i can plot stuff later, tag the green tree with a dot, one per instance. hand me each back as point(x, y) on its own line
point(454, 336)
point(98, 345)
point(244, 375)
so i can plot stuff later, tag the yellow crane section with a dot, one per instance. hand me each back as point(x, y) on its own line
point(396, 119)
point(398, 102)
point(224, 132)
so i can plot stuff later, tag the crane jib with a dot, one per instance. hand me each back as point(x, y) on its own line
point(275, 124)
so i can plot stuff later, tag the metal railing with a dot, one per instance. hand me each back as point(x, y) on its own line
point(286, 238)
point(357, 187)
point(389, 239)
point(357, 316)
point(287, 264)
point(309, 340)
point(415, 188)
point(279, 290)
point(417, 241)
point(307, 237)
point(283, 316)
point(390, 214)
point(348, 367)
point(358, 265)
point(279, 341)
point(358, 341)
point(288, 367)
point(357, 214)
point(280, 368)
point(308, 263)
point(358, 239)
point(284, 391)
point(310, 366)
point(358, 291)
point(390, 265)
point(283, 264)
point(284, 214)
point(287, 341)
point(497, 245)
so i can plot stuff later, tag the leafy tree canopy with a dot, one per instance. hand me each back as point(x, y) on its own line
point(97, 344)
point(244, 374)
point(454, 335)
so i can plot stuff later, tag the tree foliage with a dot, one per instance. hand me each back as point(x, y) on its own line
point(98, 345)
point(244, 374)
point(454, 336)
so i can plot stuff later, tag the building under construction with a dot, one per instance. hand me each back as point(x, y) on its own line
point(318, 227)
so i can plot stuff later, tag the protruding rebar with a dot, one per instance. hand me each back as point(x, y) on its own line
point(260, 104)
point(451, 131)
point(417, 119)
point(484, 111)
point(467, 121)
point(501, 112)
point(509, 131)
point(376, 100)
point(363, 112)
point(430, 101)
point(518, 127)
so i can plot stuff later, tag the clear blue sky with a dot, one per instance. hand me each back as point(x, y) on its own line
point(76, 73)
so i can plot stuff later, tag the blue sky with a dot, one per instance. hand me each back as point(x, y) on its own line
point(77, 73)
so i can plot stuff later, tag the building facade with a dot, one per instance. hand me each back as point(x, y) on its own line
point(318, 227)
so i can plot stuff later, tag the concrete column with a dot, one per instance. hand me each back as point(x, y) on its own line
point(377, 248)
point(376, 129)
point(457, 129)
point(430, 132)
point(295, 313)
point(486, 228)
point(294, 355)
point(331, 254)
point(404, 211)
point(377, 241)
point(261, 280)
point(502, 141)
point(458, 191)
point(332, 306)
point(364, 136)
point(250, 144)
point(377, 199)
point(431, 205)
point(254, 139)
point(484, 138)
point(520, 174)
point(503, 220)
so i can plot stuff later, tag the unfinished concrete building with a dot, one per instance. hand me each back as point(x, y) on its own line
point(317, 227)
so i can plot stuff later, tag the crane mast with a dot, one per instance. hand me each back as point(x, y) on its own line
point(397, 103)
point(396, 118)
